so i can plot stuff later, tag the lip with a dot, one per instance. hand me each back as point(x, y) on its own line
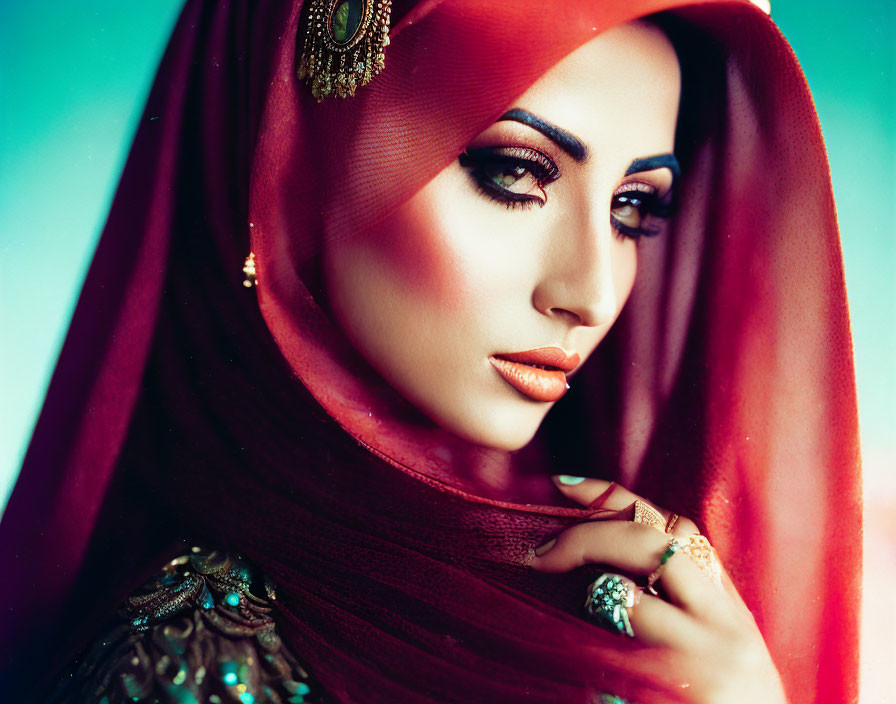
point(539, 374)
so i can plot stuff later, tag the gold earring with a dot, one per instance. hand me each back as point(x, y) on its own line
point(249, 271)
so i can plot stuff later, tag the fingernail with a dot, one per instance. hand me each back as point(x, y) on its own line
point(569, 480)
point(542, 549)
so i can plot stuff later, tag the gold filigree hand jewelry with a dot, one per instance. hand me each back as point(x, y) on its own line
point(343, 44)
point(698, 548)
point(648, 515)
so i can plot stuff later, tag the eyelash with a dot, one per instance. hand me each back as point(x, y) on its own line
point(644, 197)
point(539, 166)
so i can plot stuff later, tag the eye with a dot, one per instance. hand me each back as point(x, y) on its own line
point(513, 176)
point(638, 210)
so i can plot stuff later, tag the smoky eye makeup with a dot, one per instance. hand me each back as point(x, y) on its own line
point(642, 206)
point(515, 177)
point(639, 209)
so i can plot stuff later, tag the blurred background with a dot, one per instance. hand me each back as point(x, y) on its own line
point(73, 80)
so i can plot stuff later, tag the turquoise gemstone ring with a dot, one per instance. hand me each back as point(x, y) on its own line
point(609, 599)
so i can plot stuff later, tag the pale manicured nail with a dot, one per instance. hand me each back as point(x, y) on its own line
point(542, 549)
point(569, 480)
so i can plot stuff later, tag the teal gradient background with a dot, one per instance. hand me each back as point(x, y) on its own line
point(74, 76)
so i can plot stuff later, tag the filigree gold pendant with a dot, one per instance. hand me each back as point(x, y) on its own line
point(343, 45)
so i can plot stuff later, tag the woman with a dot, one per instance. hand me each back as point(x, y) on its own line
point(399, 493)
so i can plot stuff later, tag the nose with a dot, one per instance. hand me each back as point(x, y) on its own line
point(578, 280)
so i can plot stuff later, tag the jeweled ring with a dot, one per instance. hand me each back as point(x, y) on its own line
point(648, 515)
point(672, 547)
point(609, 598)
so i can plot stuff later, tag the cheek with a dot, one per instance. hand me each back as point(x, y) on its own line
point(433, 249)
point(412, 251)
point(625, 269)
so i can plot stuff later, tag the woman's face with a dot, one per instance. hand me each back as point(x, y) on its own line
point(526, 243)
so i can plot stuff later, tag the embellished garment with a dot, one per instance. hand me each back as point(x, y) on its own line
point(201, 630)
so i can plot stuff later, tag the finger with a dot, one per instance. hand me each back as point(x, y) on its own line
point(641, 616)
point(729, 587)
point(658, 623)
point(586, 491)
point(684, 527)
point(633, 548)
point(736, 598)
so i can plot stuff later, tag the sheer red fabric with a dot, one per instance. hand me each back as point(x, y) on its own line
point(184, 405)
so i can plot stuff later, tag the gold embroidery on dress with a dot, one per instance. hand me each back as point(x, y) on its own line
point(200, 630)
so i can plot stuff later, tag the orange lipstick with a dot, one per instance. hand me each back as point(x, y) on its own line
point(539, 374)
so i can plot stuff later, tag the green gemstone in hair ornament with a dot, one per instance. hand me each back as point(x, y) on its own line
point(346, 20)
point(340, 47)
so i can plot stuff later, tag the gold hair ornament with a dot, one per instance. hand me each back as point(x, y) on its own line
point(343, 45)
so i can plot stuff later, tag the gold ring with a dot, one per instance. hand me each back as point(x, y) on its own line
point(649, 516)
point(670, 526)
point(672, 547)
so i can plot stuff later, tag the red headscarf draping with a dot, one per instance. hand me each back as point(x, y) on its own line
point(183, 405)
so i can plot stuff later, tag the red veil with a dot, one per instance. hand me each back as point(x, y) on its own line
point(185, 407)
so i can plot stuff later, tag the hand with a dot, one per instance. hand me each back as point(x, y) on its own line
point(725, 659)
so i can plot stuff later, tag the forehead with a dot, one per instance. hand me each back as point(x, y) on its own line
point(622, 84)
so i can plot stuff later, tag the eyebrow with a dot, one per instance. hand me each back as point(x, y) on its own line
point(574, 146)
point(660, 161)
point(568, 142)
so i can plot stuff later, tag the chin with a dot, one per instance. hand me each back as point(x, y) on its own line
point(500, 431)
